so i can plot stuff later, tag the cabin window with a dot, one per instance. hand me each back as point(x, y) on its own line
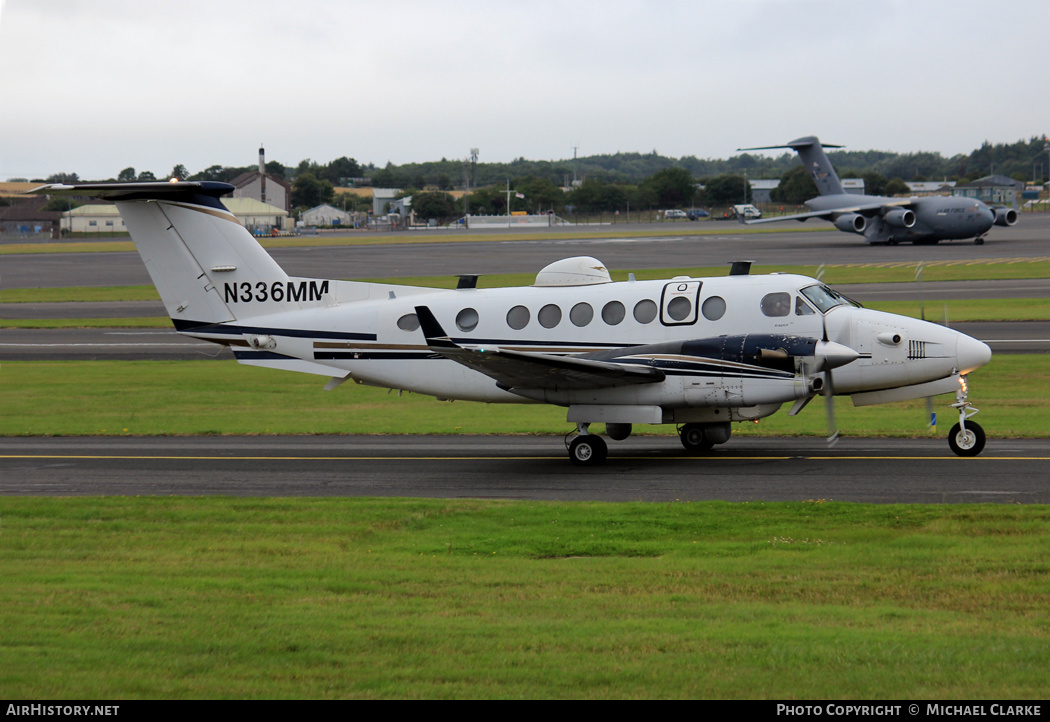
point(645, 311)
point(776, 304)
point(714, 308)
point(518, 317)
point(408, 322)
point(581, 314)
point(679, 308)
point(802, 308)
point(467, 319)
point(549, 316)
point(613, 313)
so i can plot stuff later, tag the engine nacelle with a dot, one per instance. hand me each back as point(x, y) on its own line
point(851, 223)
point(1004, 216)
point(899, 218)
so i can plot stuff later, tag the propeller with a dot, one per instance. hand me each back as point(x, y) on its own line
point(931, 414)
point(829, 396)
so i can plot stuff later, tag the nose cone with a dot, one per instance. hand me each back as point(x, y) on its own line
point(832, 355)
point(971, 354)
point(987, 217)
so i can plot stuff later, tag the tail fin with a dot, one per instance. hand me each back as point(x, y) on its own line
point(206, 266)
point(815, 161)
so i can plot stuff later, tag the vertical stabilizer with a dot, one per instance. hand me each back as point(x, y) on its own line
point(206, 266)
point(816, 162)
point(818, 165)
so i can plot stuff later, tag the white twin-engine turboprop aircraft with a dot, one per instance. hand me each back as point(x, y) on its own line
point(696, 352)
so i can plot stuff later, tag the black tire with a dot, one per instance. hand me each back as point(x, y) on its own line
point(970, 443)
point(978, 241)
point(693, 438)
point(588, 450)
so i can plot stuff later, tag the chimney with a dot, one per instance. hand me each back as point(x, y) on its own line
point(262, 173)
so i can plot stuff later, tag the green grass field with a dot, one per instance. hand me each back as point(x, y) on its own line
point(158, 598)
point(222, 397)
point(221, 598)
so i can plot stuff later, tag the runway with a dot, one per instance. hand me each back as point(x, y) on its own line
point(622, 247)
point(653, 469)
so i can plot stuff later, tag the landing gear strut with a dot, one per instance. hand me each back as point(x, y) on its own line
point(967, 437)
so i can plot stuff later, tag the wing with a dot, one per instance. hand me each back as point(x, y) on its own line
point(523, 370)
point(830, 214)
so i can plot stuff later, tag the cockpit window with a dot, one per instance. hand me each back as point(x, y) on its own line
point(823, 297)
point(802, 308)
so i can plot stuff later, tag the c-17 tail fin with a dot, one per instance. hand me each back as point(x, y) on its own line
point(206, 266)
point(816, 162)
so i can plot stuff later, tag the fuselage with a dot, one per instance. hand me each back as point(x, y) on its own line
point(370, 332)
point(936, 217)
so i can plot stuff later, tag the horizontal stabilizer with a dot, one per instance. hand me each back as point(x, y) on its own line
point(203, 193)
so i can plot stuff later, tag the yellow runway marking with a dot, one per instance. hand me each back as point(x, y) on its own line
point(796, 457)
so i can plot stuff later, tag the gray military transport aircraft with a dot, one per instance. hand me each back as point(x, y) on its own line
point(700, 353)
point(882, 219)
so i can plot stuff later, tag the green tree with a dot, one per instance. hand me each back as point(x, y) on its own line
point(434, 205)
point(341, 170)
point(796, 187)
point(895, 186)
point(179, 172)
point(128, 174)
point(726, 190)
point(310, 191)
point(673, 187)
point(147, 176)
point(63, 178)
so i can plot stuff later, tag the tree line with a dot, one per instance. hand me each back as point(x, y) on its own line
point(618, 181)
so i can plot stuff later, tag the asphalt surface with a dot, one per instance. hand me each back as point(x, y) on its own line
point(654, 469)
point(526, 252)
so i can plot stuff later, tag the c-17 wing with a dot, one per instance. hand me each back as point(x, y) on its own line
point(525, 370)
point(830, 214)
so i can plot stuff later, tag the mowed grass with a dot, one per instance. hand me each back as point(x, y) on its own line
point(223, 397)
point(836, 274)
point(157, 598)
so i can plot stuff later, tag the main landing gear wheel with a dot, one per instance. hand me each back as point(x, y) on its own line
point(968, 441)
point(588, 450)
point(978, 241)
point(694, 439)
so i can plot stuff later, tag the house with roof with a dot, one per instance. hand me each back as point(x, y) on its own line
point(104, 219)
point(326, 215)
point(992, 189)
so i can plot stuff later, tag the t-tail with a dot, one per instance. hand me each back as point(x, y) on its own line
point(815, 161)
point(206, 266)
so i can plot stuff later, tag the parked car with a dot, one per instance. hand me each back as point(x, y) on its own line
point(697, 213)
point(675, 213)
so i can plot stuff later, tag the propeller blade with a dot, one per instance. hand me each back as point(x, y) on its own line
point(829, 405)
point(829, 395)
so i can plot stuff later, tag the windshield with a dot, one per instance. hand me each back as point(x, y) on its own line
point(824, 298)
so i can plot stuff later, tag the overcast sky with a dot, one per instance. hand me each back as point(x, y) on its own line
point(94, 86)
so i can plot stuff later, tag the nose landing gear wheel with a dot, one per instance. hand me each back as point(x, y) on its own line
point(588, 450)
point(968, 442)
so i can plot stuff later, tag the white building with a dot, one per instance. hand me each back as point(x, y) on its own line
point(254, 215)
point(325, 215)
